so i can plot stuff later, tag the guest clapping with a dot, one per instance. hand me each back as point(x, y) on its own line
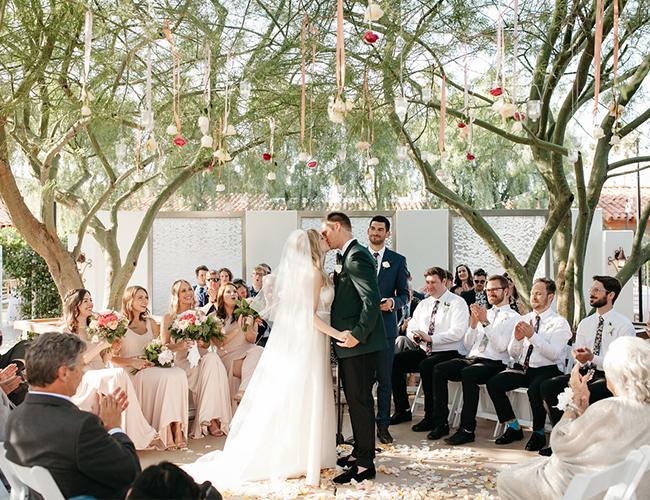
point(162, 392)
point(238, 352)
point(214, 283)
point(590, 438)
point(208, 379)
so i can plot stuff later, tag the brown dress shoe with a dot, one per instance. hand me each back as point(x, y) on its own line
point(384, 436)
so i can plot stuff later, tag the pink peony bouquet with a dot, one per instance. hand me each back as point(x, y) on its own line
point(194, 325)
point(107, 326)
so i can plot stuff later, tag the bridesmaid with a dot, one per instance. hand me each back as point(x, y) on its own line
point(238, 352)
point(208, 380)
point(162, 392)
point(77, 310)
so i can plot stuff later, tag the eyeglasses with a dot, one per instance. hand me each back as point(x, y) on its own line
point(480, 282)
point(488, 290)
point(597, 290)
point(259, 274)
point(213, 280)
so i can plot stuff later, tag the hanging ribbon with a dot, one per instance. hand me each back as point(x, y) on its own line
point(137, 149)
point(147, 95)
point(176, 81)
point(272, 127)
point(303, 101)
point(615, 67)
point(311, 87)
point(87, 45)
point(443, 112)
point(465, 83)
point(499, 48)
point(214, 148)
point(226, 103)
point(515, 36)
point(598, 40)
point(340, 49)
point(207, 95)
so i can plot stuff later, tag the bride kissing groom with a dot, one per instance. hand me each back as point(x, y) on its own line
point(356, 308)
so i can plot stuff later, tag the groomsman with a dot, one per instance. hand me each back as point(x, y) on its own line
point(201, 288)
point(538, 344)
point(392, 278)
point(595, 334)
point(487, 339)
point(438, 326)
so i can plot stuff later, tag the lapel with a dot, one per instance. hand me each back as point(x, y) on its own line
point(347, 251)
point(385, 258)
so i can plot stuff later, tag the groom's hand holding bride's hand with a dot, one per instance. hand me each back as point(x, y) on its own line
point(347, 340)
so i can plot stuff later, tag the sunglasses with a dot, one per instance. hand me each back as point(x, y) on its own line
point(480, 282)
point(213, 280)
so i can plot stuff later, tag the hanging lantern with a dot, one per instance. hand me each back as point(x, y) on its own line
point(373, 12)
point(615, 140)
point(373, 161)
point(230, 130)
point(572, 155)
point(120, 151)
point(162, 180)
point(401, 106)
point(222, 155)
point(204, 124)
point(85, 110)
point(271, 176)
point(147, 120)
point(303, 157)
point(206, 141)
point(221, 187)
point(245, 89)
point(342, 154)
point(599, 133)
point(139, 175)
point(517, 126)
point(151, 145)
point(362, 145)
point(426, 95)
point(534, 109)
point(171, 130)
point(401, 153)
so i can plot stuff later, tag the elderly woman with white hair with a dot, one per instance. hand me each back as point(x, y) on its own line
point(590, 438)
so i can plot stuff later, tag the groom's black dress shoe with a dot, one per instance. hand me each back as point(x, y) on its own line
point(401, 416)
point(383, 435)
point(438, 431)
point(347, 461)
point(353, 473)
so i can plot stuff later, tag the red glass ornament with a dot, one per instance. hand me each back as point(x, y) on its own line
point(370, 37)
point(267, 157)
point(496, 92)
point(179, 141)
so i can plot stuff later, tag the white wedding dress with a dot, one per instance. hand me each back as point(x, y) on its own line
point(285, 425)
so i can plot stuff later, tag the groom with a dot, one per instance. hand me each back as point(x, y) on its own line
point(356, 308)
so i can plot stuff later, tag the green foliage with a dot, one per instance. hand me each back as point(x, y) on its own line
point(40, 298)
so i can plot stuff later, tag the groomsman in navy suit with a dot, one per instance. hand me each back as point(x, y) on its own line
point(392, 278)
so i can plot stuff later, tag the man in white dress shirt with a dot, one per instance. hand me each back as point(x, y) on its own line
point(438, 326)
point(538, 345)
point(487, 340)
point(595, 334)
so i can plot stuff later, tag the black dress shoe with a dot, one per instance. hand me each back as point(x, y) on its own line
point(353, 473)
point(401, 416)
point(423, 426)
point(536, 442)
point(510, 436)
point(461, 437)
point(546, 452)
point(347, 461)
point(383, 435)
point(438, 431)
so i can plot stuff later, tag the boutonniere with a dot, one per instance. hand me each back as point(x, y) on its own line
point(610, 329)
point(338, 268)
point(385, 264)
point(445, 307)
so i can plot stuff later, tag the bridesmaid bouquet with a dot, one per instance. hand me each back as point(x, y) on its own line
point(245, 310)
point(107, 326)
point(158, 353)
point(194, 325)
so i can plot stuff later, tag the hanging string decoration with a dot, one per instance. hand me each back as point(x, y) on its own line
point(86, 96)
point(598, 41)
point(443, 114)
point(176, 81)
point(147, 114)
point(616, 109)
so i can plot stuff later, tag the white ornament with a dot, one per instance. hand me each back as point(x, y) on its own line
point(517, 126)
point(245, 89)
point(151, 145)
point(342, 154)
point(572, 155)
point(120, 151)
point(172, 130)
point(599, 133)
point(373, 12)
point(204, 122)
point(303, 156)
point(206, 141)
point(444, 155)
point(534, 109)
point(221, 187)
point(85, 111)
point(362, 145)
point(222, 155)
point(401, 106)
point(615, 140)
point(271, 176)
point(401, 153)
point(426, 95)
point(373, 161)
point(230, 130)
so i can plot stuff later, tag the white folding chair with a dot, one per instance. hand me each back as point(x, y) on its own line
point(18, 490)
point(619, 481)
point(455, 399)
point(36, 478)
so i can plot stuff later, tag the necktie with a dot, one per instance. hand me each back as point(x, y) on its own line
point(481, 299)
point(599, 336)
point(339, 258)
point(485, 340)
point(530, 347)
point(376, 256)
point(432, 327)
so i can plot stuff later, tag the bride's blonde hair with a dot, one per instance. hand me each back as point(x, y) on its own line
point(317, 254)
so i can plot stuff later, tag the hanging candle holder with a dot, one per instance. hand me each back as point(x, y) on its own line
point(401, 106)
point(426, 95)
point(534, 109)
point(204, 124)
point(572, 155)
point(342, 154)
point(120, 151)
point(401, 153)
point(245, 89)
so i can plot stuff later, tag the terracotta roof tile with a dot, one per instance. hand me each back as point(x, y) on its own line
point(613, 200)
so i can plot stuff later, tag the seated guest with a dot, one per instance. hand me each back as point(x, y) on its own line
point(590, 438)
point(201, 288)
point(242, 289)
point(214, 283)
point(257, 278)
point(450, 282)
point(477, 294)
point(462, 280)
point(404, 315)
point(266, 268)
point(595, 334)
point(166, 480)
point(16, 356)
point(515, 301)
point(487, 340)
point(538, 344)
point(438, 327)
point(225, 275)
point(86, 454)
point(238, 352)
point(8, 383)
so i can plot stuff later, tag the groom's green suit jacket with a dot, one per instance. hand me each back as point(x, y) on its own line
point(356, 305)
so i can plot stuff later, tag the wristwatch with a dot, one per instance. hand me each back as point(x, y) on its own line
point(485, 324)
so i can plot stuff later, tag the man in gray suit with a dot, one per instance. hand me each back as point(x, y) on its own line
point(86, 454)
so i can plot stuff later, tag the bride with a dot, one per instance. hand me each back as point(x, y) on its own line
point(285, 425)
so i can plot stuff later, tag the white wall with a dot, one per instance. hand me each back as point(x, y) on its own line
point(611, 241)
point(266, 233)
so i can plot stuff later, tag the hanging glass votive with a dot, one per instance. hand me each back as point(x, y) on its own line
point(401, 153)
point(245, 89)
point(342, 154)
point(572, 155)
point(426, 95)
point(534, 109)
point(120, 151)
point(401, 106)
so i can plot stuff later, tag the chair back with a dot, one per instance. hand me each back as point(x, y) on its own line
point(618, 481)
point(18, 490)
point(36, 478)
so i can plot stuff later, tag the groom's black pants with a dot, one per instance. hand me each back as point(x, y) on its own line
point(358, 377)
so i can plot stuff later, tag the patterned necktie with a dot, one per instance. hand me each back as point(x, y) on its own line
point(376, 256)
point(599, 336)
point(530, 347)
point(432, 327)
point(485, 340)
point(481, 299)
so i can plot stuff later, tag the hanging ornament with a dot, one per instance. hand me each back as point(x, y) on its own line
point(373, 161)
point(147, 114)
point(230, 130)
point(615, 140)
point(444, 155)
point(425, 155)
point(245, 89)
point(85, 97)
point(534, 109)
point(598, 133)
point(206, 141)
point(162, 179)
point(179, 141)
point(496, 92)
point(517, 126)
point(312, 163)
point(222, 155)
point(426, 95)
point(220, 187)
point(171, 130)
point(470, 156)
point(336, 110)
point(176, 81)
point(362, 145)
point(443, 175)
point(266, 156)
point(401, 153)
point(204, 124)
point(505, 109)
point(572, 155)
point(120, 151)
point(271, 176)
point(151, 145)
point(370, 37)
point(401, 107)
point(342, 154)
point(303, 157)
point(373, 12)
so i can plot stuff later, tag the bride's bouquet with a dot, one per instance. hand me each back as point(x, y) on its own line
point(158, 353)
point(244, 309)
point(107, 326)
point(192, 326)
